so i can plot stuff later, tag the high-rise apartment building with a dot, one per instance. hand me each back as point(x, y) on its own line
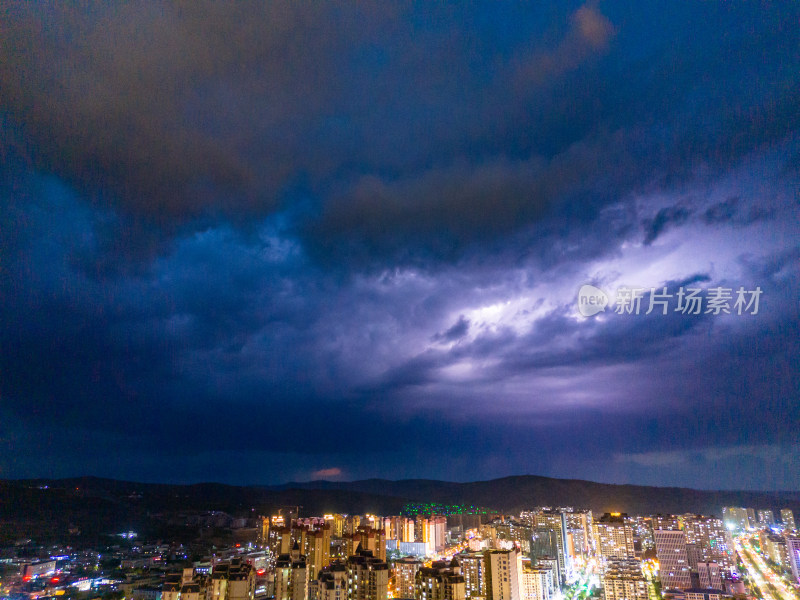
point(351, 523)
point(552, 565)
point(514, 532)
point(317, 550)
point(330, 584)
point(371, 539)
point(279, 539)
point(234, 580)
point(171, 588)
point(693, 555)
point(623, 580)
point(579, 528)
point(793, 552)
point(185, 585)
point(709, 575)
point(502, 574)
point(766, 517)
point(776, 549)
point(752, 523)
point(405, 572)
point(367, 576)
point(673, 570)
point(291, 575)
point(712, 540)
point(736, 518)
point(336, 521)
point(550, 530)
point(614, 537)
point(787, 517)
point(432, 530)
point(544, 544)
point(241, 580)
point(642, 534)
point(473, 567)
point(399, 528)
point(666, 522)
point(440, 581)
point(262, 537)
point(536, 583)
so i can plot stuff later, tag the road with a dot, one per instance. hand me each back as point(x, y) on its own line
point(770, 584)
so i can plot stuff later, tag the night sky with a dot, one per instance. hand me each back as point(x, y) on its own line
point(256, 244)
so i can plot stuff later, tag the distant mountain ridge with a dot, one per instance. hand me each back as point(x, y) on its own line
point(509, 494)
point(519, 492)
point(52, 509)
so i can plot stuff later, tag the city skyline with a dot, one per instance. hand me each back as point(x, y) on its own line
point(296, 241)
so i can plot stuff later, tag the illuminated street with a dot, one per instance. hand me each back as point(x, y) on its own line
point(769, 583)
point(582, 587)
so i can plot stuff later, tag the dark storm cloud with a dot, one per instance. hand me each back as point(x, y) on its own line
point(666, 218)
point(173, 112)
point(171, 106)
point(139, 357)
point(149, 99)
point(721, 212)
point(600, 135)
point(457, 331)
point(360, 218)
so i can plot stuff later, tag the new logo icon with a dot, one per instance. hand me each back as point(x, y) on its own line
point(591, 300)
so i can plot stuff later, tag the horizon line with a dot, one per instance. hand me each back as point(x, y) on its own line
point(287, 484)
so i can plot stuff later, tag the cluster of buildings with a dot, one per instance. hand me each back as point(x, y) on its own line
point(740, 519)
point(693, 553)
point(32, 571)
point(533, 556)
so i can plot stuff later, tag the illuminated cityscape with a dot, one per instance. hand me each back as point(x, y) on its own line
point(304, 558)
